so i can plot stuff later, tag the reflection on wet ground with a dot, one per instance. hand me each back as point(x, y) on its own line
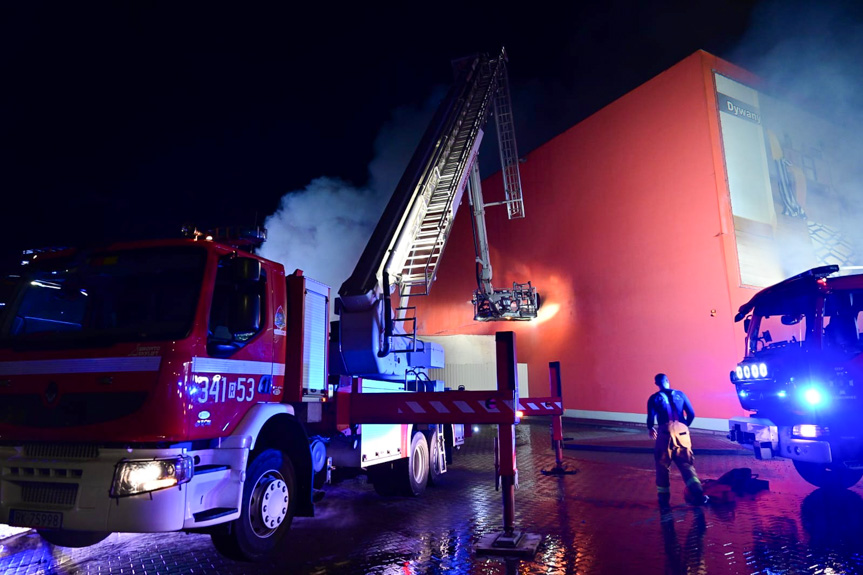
point(603, 519)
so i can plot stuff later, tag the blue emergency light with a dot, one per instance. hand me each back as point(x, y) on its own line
point(814, 397)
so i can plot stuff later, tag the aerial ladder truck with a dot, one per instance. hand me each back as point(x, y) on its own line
point(189, 385)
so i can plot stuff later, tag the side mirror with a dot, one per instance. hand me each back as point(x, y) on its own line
point(245, 315)
point(246, 270)
point(766, 336)
point(746, 323)
point(789, 319)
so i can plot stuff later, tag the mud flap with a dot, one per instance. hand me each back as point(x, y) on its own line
point(763, 451)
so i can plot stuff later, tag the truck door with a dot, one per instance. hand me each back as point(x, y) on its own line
point(237, 369)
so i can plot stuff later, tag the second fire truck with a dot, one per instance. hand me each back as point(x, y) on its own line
point(802, 375)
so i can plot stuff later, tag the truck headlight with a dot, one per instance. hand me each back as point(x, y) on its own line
point(134, 476)
point(750, 371)
point(809, 431)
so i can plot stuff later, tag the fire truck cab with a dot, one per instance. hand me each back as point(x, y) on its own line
point(802, 373)
point(138, 381)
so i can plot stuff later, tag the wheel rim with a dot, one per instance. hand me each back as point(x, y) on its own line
point(418, 465)
point(269, 504)
point(434, 456)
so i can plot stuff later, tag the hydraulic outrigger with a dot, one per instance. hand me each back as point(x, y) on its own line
point(501, 407)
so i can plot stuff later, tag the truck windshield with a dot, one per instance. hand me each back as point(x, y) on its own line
point(781, 322)
point(791, 320)
point(106, 297)
point(772, 331)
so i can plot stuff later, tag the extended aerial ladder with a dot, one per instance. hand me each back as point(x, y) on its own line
point(522, 301)
point(403, 254)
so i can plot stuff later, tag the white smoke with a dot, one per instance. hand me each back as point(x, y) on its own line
point(323, 228)
point(809, 54)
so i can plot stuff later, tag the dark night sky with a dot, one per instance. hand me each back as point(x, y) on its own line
point(126, 120)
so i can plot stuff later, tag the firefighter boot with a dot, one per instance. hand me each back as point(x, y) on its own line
point(664, 502)
point(695, 496)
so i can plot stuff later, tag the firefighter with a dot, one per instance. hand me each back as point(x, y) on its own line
point(673, 413)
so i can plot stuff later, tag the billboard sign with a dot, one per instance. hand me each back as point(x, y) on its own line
point(791, 178)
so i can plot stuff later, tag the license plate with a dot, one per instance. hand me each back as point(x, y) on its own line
point(37, 519)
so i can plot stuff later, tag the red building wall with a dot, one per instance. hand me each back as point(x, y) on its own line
point(628, 237)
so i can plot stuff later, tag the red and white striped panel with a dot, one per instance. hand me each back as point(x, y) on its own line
point(541, 405)
point(433, 407)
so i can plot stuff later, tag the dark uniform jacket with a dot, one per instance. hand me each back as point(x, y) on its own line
point(669, 405)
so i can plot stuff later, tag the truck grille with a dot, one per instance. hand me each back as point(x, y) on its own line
point(56, 494)
point(26, 471)
point(60, 451)
point(72, 409)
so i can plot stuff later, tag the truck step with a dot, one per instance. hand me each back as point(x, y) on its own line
point(202, 469)
point(214, 513)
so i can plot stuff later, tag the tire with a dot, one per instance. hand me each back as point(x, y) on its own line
point(820, 475)
point(320, 466)
point(407, 476)
point(269, 501)
point(72, 538)
point(435, 471)
point(382, 478)
point(415, 469)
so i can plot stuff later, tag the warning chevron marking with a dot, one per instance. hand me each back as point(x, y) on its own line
point(544, 406)
point(464, 407)
point(415, 407)
point(440, 407)
point(433, 407)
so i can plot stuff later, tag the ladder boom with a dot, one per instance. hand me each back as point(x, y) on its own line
point(410, 237)
point(377, 337)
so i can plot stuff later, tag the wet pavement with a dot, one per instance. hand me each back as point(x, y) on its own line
point(602, 519)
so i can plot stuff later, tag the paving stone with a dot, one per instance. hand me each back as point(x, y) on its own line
point(602, 519)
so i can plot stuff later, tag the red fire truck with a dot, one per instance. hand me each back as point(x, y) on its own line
point(800, 375)
point(190, 385)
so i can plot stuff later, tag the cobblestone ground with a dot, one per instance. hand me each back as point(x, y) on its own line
point(603, 519)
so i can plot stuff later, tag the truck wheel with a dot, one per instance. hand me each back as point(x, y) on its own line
point(820, 475)
point(406, 476)
point(415, 469)
point(72, 538)
point(269, 500)
point(383, 479)
point(435, 471)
